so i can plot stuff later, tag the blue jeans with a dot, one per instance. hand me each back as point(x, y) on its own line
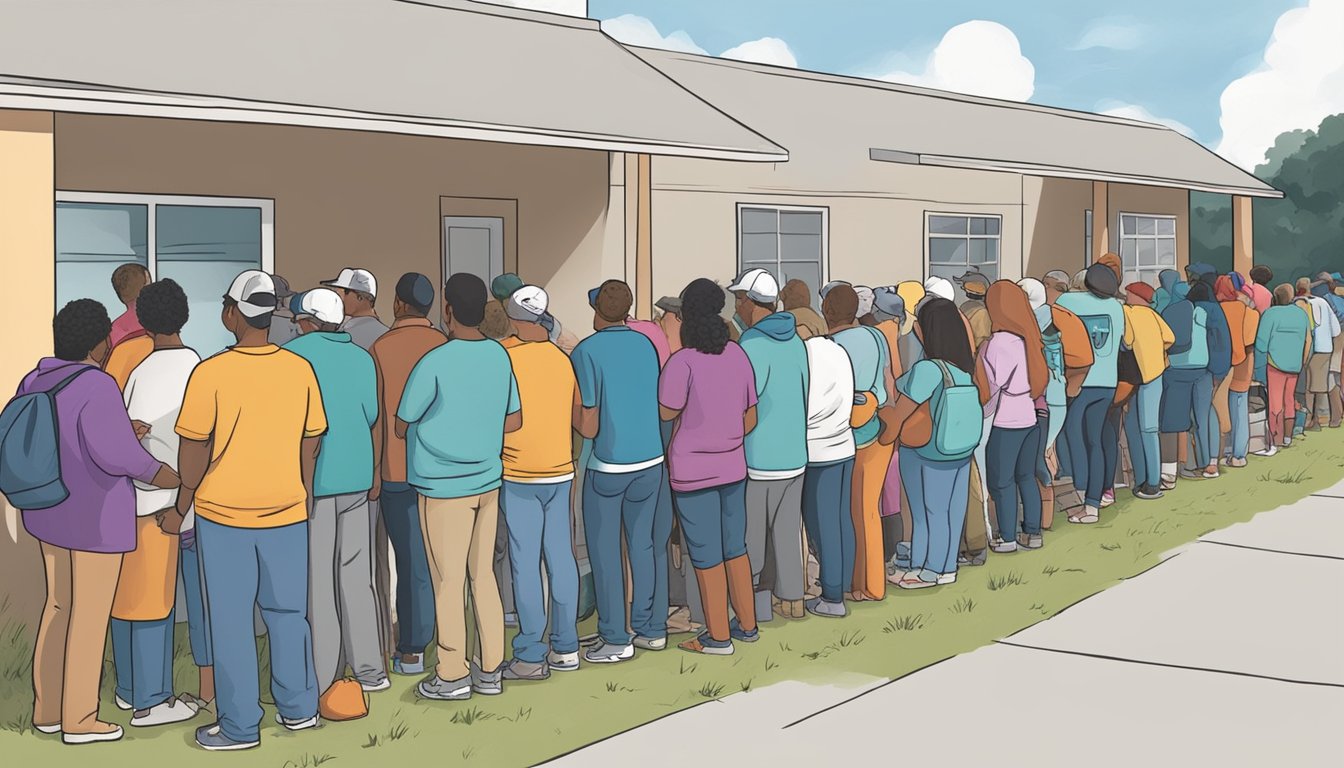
point(142, 652)
point(266, 568)
point(827, 490)
point(1010, 469)
point(715, 523)
point(1141, 429)
point(626, 504)
point(1083, 427)
point(937, 491)
point(1238, 406)
point(198, 623)
point(415, 592)
point(537, 516)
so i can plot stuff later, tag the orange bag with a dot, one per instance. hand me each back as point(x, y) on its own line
point(344, 700)
point(862, 414)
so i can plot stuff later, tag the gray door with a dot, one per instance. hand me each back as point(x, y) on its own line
point(473, 244)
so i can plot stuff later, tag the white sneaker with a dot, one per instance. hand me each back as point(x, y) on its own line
point(48, 729)
point(299, 725)
point(563, 662)
point(174, 710)
point(93, 738)
point(381, 685)
point(650, 643)
point(606, 653)
point(1270, 451)
point(123, 705)
point(947, 578)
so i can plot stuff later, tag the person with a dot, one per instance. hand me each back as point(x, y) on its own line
point(127, 282)
point(358, 290)
point(1219, 364)
point(496, 324)
point(1244, 323)
point(395, 354)
point(1011, 374)
point(83, 538)
point(1164, 294)
point(975, 286)
point(342, 606)
point(1186, 385)
point(1056, 283)
point(796, 296)
point(283, 327)
point(653, 330)
point(1325, 329)
point(142, 611)
point(250, 426)
point(709, 390)
point(1104, 319)
point(669, 321)
point(776, 449)
point(502, 287)
point(460, 401)
point(1280, 350)
point(940, 287)
point(936, 484)
point(869, 356)
point(1055, 392)
point(1149, 336)
point(865, 310)
point(617, 372)
point(889, 315)
point(1261, 278)
point(1325, 287)
point(538, 477)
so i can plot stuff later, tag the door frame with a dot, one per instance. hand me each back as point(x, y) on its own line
point(480, 207)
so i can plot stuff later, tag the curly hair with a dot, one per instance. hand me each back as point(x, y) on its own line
point(162, 307)
point(702, 328)
point(79, 327)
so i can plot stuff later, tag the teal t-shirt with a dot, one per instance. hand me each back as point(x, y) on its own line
point(617, 372)
point(779, 362)
point(349, 387)
point(455, 401)
point(1105, 323)
point(919, 384)
point(869, 357)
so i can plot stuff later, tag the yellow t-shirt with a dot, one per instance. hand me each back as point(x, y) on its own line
point(257, 404)
point(126, 356)
point(542, 450)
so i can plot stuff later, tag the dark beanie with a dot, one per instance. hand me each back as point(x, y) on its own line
point(1101, 281)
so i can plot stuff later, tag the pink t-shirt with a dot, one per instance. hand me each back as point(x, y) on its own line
point(713, 392)
point(654, 333)
point(126, 326)
point(1261, 296)
point(1005, 359)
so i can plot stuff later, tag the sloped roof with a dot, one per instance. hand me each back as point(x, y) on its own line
point(428, 67)
point(838, 124)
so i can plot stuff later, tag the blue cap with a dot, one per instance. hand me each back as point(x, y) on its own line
point(296, 303)
point(592, 296)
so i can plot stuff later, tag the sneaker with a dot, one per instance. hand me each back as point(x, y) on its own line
point(1236, 463)
point(487, 683)
point(705, 644)
point(947, 578)
point(400, 666)
point(563, 662)
point(105, 732)
point(123, 705)
point(1003, 547)
point(650, 643)
point(913, 581)
point(445, 690)
point(1272, 450)
point(826, 609)
point(381, 684)
point(976, 558)
point(517, 669)
point(47, 729)
point(736, 631)
point(212, 738)
point(174, 710)
point(1107, 499)
point(609, 653)
point(1168, 483)
point(1192, 474)
point(298, 725)
point(1147, 493)
point(1030, 540)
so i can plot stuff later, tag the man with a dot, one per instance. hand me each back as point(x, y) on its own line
point(617, 372)
point(128, 342)
point(342, 606)
point(251, 423)
point(283, 328)
point(1056, 284)
point(459, 402)
point(1184, 382)
point(797, 298)
point(395, 354)
point(1262, 278)
point(777, 448)
point(1325, 287)
point(1150, 337)
point(1325, 330)
point(975, 286)
point(359, 291)
point(538, 478)
point(502, 288)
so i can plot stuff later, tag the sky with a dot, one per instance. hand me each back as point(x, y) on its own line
point(1233, 74)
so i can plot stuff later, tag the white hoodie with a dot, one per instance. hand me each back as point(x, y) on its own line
point(830, 401)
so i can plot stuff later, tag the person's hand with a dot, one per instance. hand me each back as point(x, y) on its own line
point(165, 478)
point(141, 429)
point(170, 521)
point(377, 489)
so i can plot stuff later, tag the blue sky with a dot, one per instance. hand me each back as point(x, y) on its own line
point(1170, 61)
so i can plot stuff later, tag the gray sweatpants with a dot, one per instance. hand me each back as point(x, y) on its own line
point(342, 605)
point(775, 541)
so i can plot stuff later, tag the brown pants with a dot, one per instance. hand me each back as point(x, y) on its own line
point(72, 637)
point(974, 534)
point(460, 543)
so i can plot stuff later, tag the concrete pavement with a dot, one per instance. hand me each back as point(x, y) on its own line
point(1227, 653)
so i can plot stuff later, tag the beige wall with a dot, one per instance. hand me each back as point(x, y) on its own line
point(344, 198)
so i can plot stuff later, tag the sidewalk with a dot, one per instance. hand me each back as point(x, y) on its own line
point(1227, 653)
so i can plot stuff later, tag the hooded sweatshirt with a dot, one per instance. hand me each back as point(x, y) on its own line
point(777, 447)
point(1219, 335)
point(1189, 324)
point(1104, 318)
point(1281, 340)
point(1167, 280)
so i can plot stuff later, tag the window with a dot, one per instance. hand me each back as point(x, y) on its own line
point(1147, 246)
point(202, 243)
point(1087, 238)
point(788, 242)
point(961, 243)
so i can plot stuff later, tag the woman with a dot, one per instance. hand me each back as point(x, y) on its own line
point(936, 485)
point(1056, 399)
point(1243, 321)
point(1012, 375)
point(709, 390)
point(1280, 348)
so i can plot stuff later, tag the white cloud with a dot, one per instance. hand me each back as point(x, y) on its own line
point(982, 58)
point(767, 50)
point(637, 30)
point(1112, 33)
point(1140, 113)
point(1300, 82)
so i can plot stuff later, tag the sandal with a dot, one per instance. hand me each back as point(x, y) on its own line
point(1087, 518)
point(912, 581)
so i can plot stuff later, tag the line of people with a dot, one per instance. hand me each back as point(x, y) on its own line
point(800, 461)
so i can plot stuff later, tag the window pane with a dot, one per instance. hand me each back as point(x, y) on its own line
point(991, 252)
point(760, 248)
point(92, 240)
point(1166, 227)
point(978, 252)
point(990, 271)
point(1147, 253)
point(1128, 251)
point(947, 225)
point(991, 226)
point(947, 250)
point(203, 248)
point(977, 226)
point(1146, 225)
point(800, 222)
point(1166, 253)
point(759, 220)
point(1127, 225)
point(800, 248)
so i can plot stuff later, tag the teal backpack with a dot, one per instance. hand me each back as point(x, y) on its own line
point(958, 417)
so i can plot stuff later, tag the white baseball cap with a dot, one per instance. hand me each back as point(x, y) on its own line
point(758, 284)
point(940, 286)
point(354, 279)
point(527, 304)
point(254, 292)
point(323, 305)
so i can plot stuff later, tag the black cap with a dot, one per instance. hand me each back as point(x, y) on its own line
point(416, 291)
point(1101, 281)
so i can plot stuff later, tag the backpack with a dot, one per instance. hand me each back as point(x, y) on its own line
point(958, 417)
point(30, 452)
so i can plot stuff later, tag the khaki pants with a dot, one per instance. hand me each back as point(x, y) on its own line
point(72, 637)
point(975, 533)
point(460, 543)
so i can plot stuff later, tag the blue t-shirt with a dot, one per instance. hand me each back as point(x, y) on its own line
point(919, 384)
point(869, 357)
point(778, 444)
point(456, 400)
point(617, 370)
point(1105, 323)
point(349, 387)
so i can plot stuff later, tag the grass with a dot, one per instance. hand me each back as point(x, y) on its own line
point(532, 722)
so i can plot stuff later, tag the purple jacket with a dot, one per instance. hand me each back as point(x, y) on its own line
point(99, 457)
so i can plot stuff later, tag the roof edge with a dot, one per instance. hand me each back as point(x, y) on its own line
point(508, 12)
